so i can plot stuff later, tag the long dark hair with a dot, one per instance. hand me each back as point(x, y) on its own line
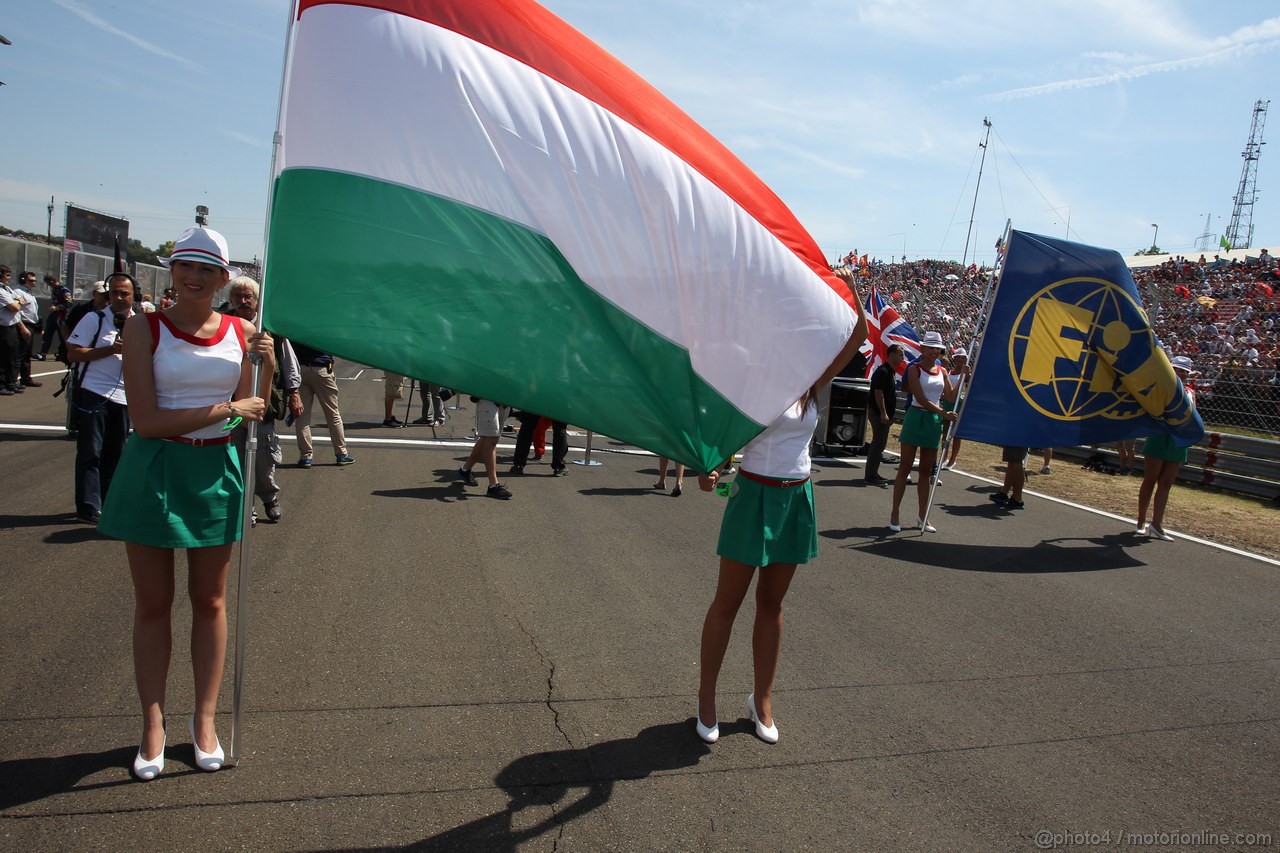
point(809, 398)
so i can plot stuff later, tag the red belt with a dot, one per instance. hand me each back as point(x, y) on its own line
point(199, 442)
point(765, 481)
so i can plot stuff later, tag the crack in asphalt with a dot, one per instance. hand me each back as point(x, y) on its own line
point(550, 666)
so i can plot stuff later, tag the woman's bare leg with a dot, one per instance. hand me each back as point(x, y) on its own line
point(766, 638)
point(717, 627)
point(153, 585)
point(207, 586)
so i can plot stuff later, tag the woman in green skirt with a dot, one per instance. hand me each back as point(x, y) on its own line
point(928, 383)
point(769, 523)
point(1161, 459)
point(178, 485)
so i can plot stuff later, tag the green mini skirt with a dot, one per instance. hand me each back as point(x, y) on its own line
point(1162, 446)
point(921, 428)
point(171, 495)
point(769, 524)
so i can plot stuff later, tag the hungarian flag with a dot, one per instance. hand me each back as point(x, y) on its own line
point(885, 326)
point(473, 193)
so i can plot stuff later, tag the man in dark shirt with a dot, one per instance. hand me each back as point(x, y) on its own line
point(881, 407)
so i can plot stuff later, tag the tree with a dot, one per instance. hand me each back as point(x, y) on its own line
point(140, 254)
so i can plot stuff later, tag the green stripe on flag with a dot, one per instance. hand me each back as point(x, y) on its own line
point(395, 278)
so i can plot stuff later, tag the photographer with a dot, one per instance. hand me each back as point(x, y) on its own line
point(99, 398)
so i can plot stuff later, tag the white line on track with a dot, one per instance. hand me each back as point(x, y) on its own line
point(418, 442)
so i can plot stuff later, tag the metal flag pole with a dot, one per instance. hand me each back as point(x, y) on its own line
point(251, 443)
point(249, 467)
point(975, 352)
point(586, 459)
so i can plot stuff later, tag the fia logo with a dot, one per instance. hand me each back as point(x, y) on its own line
point(1083, 348)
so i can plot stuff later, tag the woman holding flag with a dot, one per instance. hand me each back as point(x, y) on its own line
point(1161, 459)
point(179, 483)
point(927, 383)
point(770, 523)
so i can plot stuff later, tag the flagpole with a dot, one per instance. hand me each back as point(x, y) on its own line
point(975, 352)
point(251, 442)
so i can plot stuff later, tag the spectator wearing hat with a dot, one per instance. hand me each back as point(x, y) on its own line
point(927, 382)
point(957, 372)
point(180, 486)
point(1161, 459)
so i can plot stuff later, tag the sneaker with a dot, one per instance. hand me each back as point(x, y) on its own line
point(559, 472)
point(999, 497)
point(497, 490)
point(537, 457)
point(1044, 470)
point(465, 476)
point(421, 421)
point(17, 389)
point(39, 356)
point(393, 421)
point(31, 383)
point(273, 511)
point(5, 392)
point(1011, 504)
point(677, 491)
point(947, 466)
point(728, 469)
point(305, 462)
point(89, 517)
point(517, 470)
point(877, 481)
point(345, 459)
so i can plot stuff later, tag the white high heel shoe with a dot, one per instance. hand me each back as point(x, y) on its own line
point(146, 769)
point(709, 734)
point(207, 761)
point(768, 734)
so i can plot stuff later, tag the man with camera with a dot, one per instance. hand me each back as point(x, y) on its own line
point(95, 348)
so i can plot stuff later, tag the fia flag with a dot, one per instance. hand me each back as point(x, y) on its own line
point(1069, 357)
point(473, 193)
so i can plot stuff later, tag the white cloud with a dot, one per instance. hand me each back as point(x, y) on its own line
point(91, 18)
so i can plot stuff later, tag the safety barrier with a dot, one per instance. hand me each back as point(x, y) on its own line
point(1235, 463)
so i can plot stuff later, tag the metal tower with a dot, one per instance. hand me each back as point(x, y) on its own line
point(1205, 241)
point(1240, 232)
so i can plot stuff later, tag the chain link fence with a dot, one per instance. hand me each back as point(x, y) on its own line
point(1226, 318)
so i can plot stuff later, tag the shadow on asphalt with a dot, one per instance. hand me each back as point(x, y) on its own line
point(60, 520)
point(28, 780)
point(550, 780)
point(1066, 554)
point(606, 492)
point(445, 494)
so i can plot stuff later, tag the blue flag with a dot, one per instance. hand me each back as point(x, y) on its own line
point(1069, 356)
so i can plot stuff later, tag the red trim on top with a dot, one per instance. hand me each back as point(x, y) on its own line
point(201, 342)
point(153, 320)
point(530, 34)
point(239, 325)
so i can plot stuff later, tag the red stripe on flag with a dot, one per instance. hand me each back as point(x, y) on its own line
point(530, 34)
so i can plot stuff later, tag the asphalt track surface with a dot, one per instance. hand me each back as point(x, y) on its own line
point(432, 669)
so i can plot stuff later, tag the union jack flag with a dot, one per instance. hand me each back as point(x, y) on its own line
point(885, 326)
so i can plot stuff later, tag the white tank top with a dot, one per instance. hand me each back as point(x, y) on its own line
point(191, 372)
point(931, 385)
point(782, 450)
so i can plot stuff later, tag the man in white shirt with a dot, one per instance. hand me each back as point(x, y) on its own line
point(11, 329)
point(29, 330)
point(99, 396)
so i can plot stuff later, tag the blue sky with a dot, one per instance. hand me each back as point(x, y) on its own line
point(863, 115)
